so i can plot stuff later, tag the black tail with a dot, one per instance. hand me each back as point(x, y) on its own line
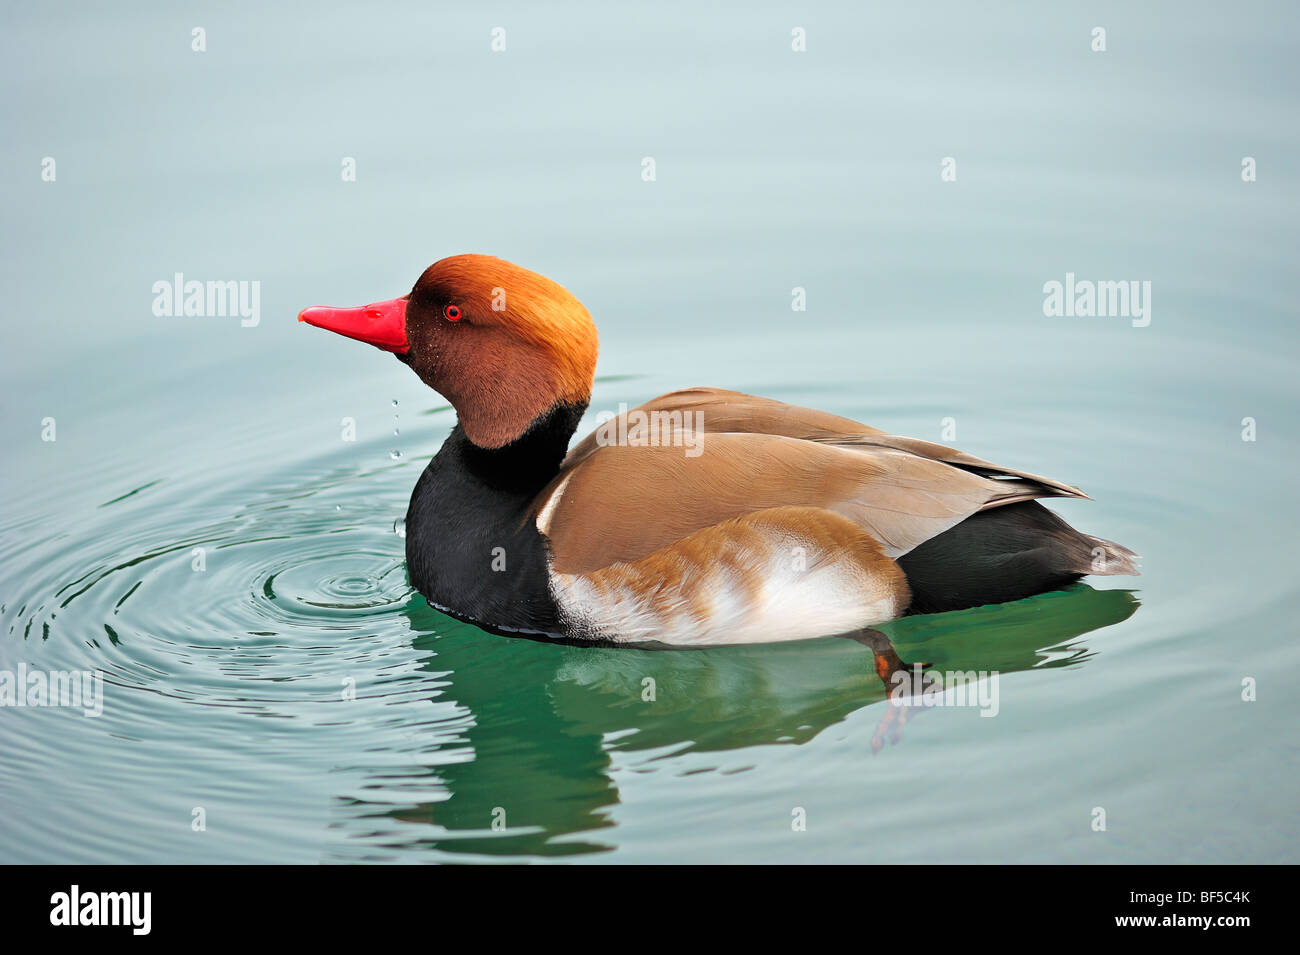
point(1005, 553)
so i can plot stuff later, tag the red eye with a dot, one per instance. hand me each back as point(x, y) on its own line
point(452, 312)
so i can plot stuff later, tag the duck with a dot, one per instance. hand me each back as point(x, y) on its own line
point(703, 517)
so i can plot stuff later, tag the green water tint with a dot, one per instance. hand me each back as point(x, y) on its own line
point(550, 731)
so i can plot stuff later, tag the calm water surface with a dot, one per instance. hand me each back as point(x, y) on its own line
point(224, 686)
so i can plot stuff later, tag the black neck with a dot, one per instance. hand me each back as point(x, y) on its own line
point(471, 546)
point(526, 463)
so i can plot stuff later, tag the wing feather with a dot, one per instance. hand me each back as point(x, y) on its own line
point(621, 502)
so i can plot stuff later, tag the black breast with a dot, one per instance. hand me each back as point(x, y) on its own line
point(472, 544)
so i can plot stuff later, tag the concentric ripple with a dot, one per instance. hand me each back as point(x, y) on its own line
point(255, 632)
point(291, 585)
point(337, 583)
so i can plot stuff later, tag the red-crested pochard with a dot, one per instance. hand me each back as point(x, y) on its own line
point(704, 516)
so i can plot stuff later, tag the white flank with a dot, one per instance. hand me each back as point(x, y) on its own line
point(790, 604)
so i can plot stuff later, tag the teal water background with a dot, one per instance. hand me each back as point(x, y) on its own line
point(774, 170)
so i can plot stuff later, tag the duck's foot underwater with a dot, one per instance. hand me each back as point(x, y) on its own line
point(889, 666)
point(894, 673)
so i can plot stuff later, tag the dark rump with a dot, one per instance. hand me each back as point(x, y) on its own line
point(1005, 553)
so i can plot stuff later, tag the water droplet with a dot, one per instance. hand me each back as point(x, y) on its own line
point(395, 454)
point(394, 402)
point(399, 527)
point(338, 507)
point(397, 431)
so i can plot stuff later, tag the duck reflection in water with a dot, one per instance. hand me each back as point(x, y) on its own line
point(578, 718)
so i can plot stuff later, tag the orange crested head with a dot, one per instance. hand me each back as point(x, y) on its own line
point(503, 344)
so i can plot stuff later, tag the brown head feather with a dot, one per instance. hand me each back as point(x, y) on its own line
point(522, 345)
